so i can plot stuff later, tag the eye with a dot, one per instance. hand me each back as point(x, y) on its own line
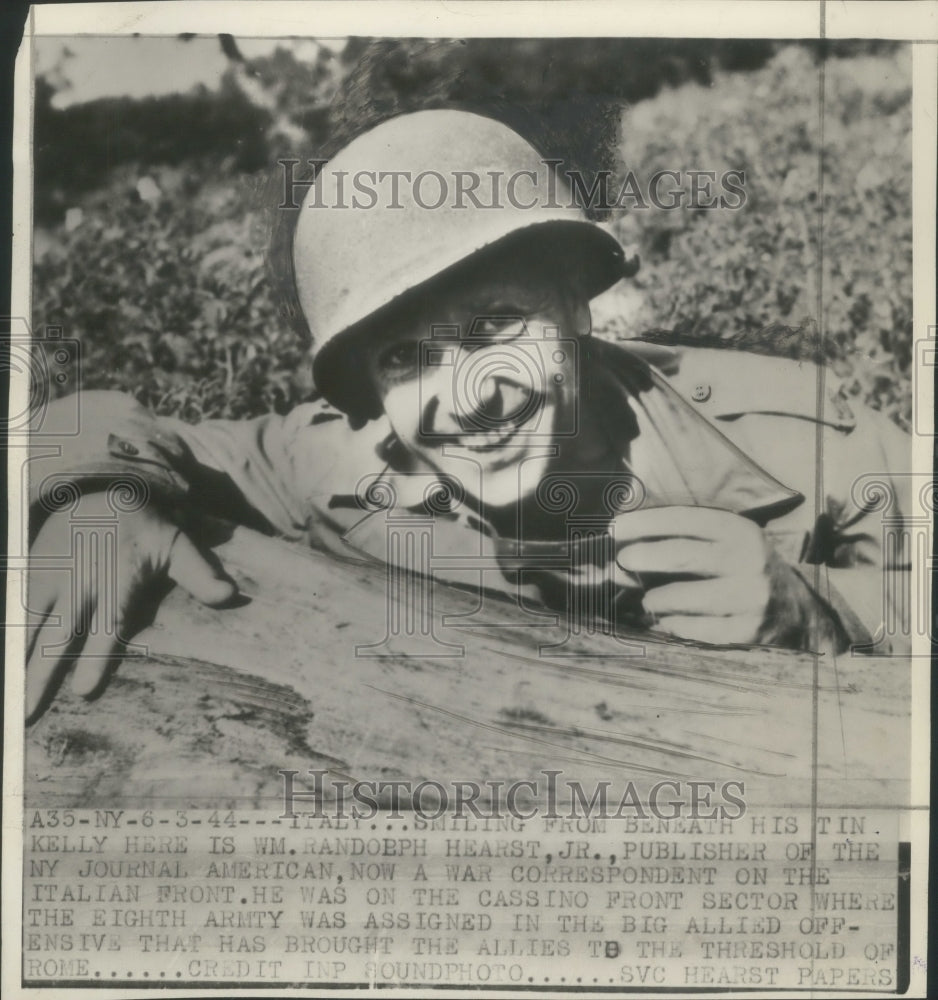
point(488, 326)
point(491, 324)
point(399, 361)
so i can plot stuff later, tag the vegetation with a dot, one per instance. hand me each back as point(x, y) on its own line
point(154, 218)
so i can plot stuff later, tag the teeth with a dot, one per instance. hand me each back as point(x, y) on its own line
point(488, 440)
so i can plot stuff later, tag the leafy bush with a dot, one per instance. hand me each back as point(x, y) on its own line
point(168, 296)
point(842, 278)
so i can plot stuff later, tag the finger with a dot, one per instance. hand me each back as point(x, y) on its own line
point(116, 595)
point(40, 602)
point(720, 597)
point(715, 631)
point(62, 632)
point(672, 555)
point(191, 570)
point(704, 523)
point(45, 664)
point(100, 654)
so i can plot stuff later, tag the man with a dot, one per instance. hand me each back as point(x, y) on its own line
point(627, 484)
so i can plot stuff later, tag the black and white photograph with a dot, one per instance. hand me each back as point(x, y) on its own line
point(471, 499)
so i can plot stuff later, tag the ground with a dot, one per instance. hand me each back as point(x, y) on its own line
point(208, 716)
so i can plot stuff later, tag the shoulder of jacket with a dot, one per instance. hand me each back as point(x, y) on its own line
point(312, 414)
point(724, 384)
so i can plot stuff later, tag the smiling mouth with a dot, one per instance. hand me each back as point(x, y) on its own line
point(489, 441)
point(506, 432)
point(496, 439)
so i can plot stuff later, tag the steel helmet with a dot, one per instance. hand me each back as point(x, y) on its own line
point(398, 207)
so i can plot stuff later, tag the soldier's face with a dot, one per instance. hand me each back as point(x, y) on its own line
point(480, 379)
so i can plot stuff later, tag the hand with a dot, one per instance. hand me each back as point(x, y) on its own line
point(704, 571)
point(86, 612)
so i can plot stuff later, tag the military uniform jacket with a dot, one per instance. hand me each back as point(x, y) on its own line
point(764, 437)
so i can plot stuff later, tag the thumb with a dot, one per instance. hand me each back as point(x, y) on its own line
point(191, 570)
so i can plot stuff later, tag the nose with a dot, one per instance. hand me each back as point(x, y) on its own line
point(489, 401)
point(438, 412)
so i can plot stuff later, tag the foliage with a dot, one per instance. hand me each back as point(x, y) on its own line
point(168, 296)
point(152, 254)
point(842, 276)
